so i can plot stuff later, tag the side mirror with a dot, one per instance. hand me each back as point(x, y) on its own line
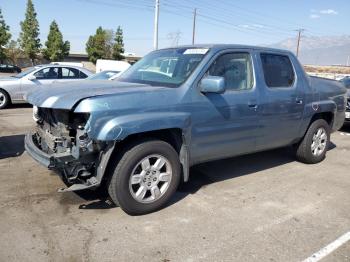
point(31, 78)
point(212, 84)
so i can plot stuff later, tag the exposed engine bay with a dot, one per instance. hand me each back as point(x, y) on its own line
point(62, 135)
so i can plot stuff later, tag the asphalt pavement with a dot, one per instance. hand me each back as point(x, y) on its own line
point(261, 207)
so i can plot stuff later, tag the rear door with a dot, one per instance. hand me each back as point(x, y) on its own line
point(70, 74)
point(282, 100)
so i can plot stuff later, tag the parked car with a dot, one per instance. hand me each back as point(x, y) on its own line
point(104, 64)
point(79, 64)
point(104, 75)
point(5, 68)
point(14, 88)
point(346, 82)
point(139, 135)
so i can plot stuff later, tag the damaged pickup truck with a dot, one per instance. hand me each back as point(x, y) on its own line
point(138, 136)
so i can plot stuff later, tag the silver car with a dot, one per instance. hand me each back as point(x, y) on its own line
point(13, 89)
point(104, 75)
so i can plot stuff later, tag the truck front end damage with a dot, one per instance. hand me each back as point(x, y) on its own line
point(60, 142)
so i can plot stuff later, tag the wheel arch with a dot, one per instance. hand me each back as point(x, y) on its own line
point(176, 137)
point(327, 116)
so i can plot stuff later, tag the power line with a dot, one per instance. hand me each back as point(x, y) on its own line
point(259, 15)
point(247, 14)
point(219, 13)
point(131, 6)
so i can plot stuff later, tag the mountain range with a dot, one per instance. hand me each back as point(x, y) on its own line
point(320, 50)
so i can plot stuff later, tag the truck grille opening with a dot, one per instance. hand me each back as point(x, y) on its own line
point(57, 128)
point(53, 117)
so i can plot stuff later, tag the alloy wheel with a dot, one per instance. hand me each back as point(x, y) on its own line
point(319, 141)
point(150, 179)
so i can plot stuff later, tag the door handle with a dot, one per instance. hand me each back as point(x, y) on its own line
point(253, 106)
point(299, 101)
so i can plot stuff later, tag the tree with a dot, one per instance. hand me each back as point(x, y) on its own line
point(98, 45)
point(118, 48)
point(55, 49)
point(5, 37)
point(109, 44)
point(29, 36)
point(13, 52)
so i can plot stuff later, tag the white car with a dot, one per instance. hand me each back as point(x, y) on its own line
point(13, 89)
point(104, 75)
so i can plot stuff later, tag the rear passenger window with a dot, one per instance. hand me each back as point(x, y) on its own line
point(236, 69)
point(68, 73)
point(82, 75)
point(278, 70)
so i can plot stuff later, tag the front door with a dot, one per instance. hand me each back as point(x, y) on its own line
point(226, 125)
point(44, 76)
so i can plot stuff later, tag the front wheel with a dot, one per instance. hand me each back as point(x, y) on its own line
point(313, 148)
point(4, 99)
point(145, 177)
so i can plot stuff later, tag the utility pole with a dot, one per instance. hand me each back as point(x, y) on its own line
point(299, 36)
point(347, 61)
point(194, 25)
point(156, 18)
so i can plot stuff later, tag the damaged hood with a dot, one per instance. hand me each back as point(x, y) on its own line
point(67, 95)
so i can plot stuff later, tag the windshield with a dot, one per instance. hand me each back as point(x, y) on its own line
point(26, 72)
point(102, 75)
point(170, 67)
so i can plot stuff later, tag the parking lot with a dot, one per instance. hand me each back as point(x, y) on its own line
point(262, 207)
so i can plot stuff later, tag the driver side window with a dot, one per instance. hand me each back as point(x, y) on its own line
point(236, 69)
point(47, 73)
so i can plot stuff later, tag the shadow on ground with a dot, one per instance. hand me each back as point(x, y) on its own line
point(16, 106)
point(202, 176)
point(87, 199)
point(213, 172)
point(11, 146)
point(345, 129)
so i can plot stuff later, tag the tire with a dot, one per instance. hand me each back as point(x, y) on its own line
point(306, 151)
point(123, 190)
point(4, 99)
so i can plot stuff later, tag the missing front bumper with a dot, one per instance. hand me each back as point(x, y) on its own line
point(59, 162)
point(38, 155)
point(51, 161)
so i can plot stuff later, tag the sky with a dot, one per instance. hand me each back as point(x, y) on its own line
point(254, 22)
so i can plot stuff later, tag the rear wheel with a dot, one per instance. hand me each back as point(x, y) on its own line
point(313, 147)
point(145, 177)
point(4, 99)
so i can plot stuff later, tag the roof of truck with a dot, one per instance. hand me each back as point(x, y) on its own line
point(231, 46)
